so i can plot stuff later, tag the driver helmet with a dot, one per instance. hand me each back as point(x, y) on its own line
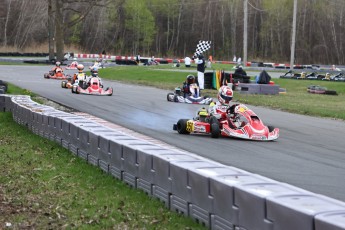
point(225, 95)
point(94, 71)
point(190, 79)
point(58, 63)
point(80, 67)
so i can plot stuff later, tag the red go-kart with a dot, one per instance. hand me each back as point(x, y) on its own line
point(57, 74)
point(93, 87)
point(237, 122)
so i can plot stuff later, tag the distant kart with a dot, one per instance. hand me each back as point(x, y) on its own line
point(72, 66)
point(290, 75)
point(316, 89)
point(92, 88)
point(57, 74)
point(238, 122)
point(179, 96)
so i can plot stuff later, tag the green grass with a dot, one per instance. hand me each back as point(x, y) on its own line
point(44, 186)
point(296, 100)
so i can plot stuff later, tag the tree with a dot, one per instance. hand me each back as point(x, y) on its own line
point(140, 22)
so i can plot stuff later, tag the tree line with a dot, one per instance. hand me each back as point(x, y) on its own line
point(172, 28)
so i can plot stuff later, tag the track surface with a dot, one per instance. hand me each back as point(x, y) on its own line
point(310, 152)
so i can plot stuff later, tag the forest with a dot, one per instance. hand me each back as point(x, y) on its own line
point(172, 28)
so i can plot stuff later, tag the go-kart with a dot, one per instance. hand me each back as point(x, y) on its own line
point(182, 97)
point(238, 122)
point(93, 87)
point(73, 65)
point(57, 74)
point(290, 75)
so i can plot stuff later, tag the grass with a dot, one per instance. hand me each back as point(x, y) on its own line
point(44, 186)
point(296, 100)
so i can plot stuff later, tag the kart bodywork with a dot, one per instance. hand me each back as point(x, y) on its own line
point(93, 88)
point(243, 124)
point(57, 74)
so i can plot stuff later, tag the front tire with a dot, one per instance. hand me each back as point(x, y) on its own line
point(215, 130)
point(182, 126)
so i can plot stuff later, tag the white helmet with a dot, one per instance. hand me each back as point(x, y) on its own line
point(225, 95)
point(80, 67)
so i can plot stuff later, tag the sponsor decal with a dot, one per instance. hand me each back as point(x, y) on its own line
point(190, 126)
point(199, 129)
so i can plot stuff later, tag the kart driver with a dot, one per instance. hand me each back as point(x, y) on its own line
point(57, 68)
point(190, 87)
point(222, 109)
point(80, 77)
point(94, 74)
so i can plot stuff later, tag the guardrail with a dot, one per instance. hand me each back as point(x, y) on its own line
point(215, 195)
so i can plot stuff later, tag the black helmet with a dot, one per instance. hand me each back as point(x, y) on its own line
point(200, 56)
point(190, 79)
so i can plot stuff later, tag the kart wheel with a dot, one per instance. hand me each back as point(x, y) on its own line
point(74, 89)
point(170, 97)
point(110, 88)
point(270, 128)
point(175, 98)
point(215, 131)
point(213, 119)
point(63, 84)
point(182, 126)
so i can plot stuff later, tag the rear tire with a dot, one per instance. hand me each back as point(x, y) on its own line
point(182, 126)
point(63, 84)
point(170, 95)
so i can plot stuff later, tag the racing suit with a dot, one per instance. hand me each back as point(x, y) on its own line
point(80, 78)
point(224, 113)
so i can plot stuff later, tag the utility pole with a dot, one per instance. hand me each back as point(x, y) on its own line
point(245, 31)
point(293, 39)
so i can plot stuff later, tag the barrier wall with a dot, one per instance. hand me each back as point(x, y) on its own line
point(215, 195)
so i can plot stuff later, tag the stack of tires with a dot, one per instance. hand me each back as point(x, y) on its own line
point(3, 87)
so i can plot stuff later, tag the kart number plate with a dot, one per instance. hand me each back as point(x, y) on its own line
point(190, 126)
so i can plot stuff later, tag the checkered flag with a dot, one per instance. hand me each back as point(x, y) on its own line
point(202, 46)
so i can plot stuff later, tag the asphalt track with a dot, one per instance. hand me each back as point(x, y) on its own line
point(309, 154)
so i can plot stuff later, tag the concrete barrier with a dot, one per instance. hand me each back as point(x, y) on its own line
point(213, 194)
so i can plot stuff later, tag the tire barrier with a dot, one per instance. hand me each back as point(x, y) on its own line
point(213, 194)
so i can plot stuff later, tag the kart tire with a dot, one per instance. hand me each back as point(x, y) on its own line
point(2, 89)
point(175, 98)
point(63, 84)
point(215, 131)
point(270, 128)
point(213, 119)
point(170, 95)
point(111, 90)
point(182, 126)
point(74, 89)
point(46, 76)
